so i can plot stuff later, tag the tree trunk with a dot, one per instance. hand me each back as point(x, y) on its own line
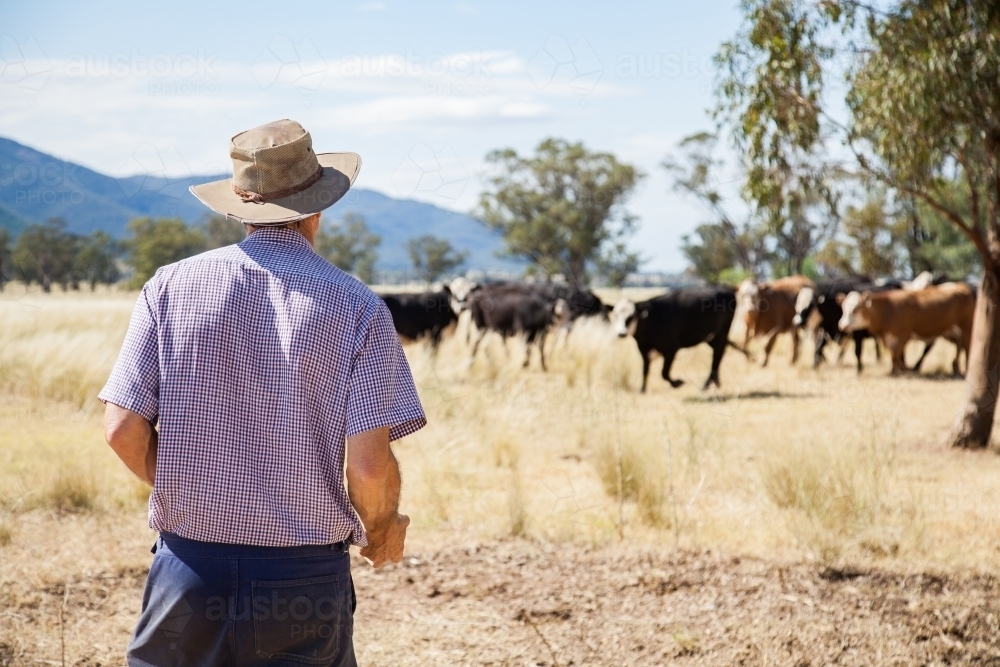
point(974, 424)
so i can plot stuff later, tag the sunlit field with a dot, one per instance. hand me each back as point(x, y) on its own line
point(786, 465)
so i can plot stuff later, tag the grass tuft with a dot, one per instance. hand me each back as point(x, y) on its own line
point(71, 492)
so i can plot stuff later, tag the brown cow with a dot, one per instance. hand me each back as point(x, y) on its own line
point(770, 310)
point(898, 315)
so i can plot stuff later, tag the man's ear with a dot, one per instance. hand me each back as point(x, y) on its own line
point(840, 299)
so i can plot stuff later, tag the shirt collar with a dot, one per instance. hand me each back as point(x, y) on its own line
point(269, 235)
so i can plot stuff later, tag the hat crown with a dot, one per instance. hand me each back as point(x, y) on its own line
point(273, 158)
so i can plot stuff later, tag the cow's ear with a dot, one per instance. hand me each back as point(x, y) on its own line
point(446, 289)
point(868, 301)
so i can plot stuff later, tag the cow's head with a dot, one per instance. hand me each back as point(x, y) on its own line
point(625, 316)
point(857, 307)
point(459, 290)
point(803, 306)
point(747, 295)
point(561, 314)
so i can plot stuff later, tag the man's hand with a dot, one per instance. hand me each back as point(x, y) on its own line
point(386, 545)
point(373, 484)
point(134, 440)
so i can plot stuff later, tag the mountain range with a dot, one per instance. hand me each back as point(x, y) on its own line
point(35, 186)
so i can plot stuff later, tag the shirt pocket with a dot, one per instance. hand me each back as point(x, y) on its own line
point(305, 620)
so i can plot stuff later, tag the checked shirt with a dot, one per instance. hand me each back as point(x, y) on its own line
point(257, 360)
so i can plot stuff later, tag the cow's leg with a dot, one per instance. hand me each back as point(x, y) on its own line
point(668, 361)
point(541, 349)
point(896, 346)
point(842, 343)
point(927, 348)
point(717, 352)
point(435, 341)
point(480, 334)
point(820, 345)
point(795, 345)
point(859, 344)
point(645, 369)
point(769, 347)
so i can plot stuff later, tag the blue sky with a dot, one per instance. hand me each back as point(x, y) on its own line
point(421, 90)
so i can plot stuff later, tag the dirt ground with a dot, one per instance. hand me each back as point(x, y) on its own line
point(521, 602)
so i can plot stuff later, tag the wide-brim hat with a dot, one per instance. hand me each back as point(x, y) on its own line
point(277, 178)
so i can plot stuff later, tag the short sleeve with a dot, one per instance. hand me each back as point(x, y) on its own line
point(382, 392)
point(135, 380)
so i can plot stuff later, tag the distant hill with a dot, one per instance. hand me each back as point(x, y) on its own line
point(35, 186)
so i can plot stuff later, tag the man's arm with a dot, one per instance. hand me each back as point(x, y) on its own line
point(373, 485)
point(133, 439)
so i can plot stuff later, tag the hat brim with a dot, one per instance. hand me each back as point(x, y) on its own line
point(339, 172)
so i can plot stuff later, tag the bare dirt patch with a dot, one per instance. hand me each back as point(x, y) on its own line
point(517, 603)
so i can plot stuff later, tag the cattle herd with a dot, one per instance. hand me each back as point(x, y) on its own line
point(835, 312)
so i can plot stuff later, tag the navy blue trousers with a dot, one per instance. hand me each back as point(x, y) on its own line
point(221, 604)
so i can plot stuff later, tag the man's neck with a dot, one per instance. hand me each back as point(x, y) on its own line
point(298, 229)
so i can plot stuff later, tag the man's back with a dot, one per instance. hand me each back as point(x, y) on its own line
point(258, 360)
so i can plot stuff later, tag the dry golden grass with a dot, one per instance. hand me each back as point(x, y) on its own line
point(785, 464)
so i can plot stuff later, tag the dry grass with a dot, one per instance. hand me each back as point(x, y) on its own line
point(783, 464)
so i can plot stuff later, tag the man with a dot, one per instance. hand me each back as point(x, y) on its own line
point(251, 378)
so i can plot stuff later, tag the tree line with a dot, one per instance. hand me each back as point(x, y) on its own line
point(858, 227)
point(49, 254)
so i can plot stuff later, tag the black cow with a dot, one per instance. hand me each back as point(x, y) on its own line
point(426, 315)
point(582, 303)
point(680, 319)
point(512, 311)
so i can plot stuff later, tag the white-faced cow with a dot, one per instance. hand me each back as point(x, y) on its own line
point(769, 310)
point(897, 316)
point(680, 319)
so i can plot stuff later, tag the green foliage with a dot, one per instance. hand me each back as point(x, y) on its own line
point(561, 209)
point(934, 244)
point(722, 245)
point(220, 231)
point(925, 109)
point(45, 254)
point(96, 260)
point(350, 246)
point(770, 92)
point(153, 243)
point(711, 252)
point(433, 257)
